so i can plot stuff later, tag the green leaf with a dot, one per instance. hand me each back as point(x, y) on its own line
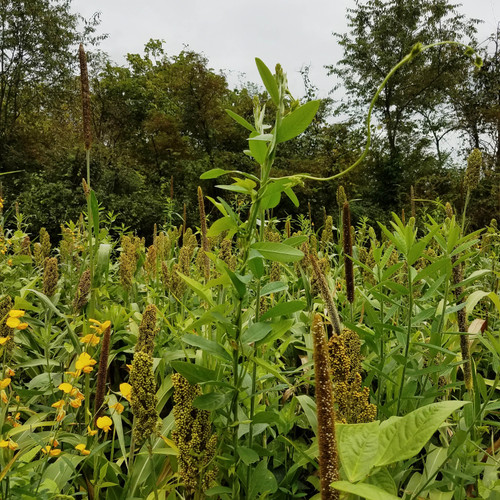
point(256, 332)
point(194, 374)
point(295, 241)
point(358, 447)
point(218, 490)
point(278, 252)
point(273, 287)
point(240, 120)
point(297, 121)
point(198, 288)
point(401, 438)
point(207, 346)
point(293, 197)
point(258, 149)
point(284, 308)
point(102, 267)
point(212, 401)
point(263, 481)
point(268, 80)
point(368, 491)
point(94, 209)
point(223, 224)
point(309, 406)
point(213, 173)
point(247, 455)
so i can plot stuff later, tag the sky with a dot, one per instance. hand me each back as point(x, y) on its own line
point(231, 33)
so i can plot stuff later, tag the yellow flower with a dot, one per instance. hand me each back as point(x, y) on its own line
point(91, 431)
point(118, 407)
point(60, 415)
point(22, 326)
point(88, 369)
point(16, 313)
point(3, 396)
point(91, 339)
point(76, 403)
point(4, 383)
point(82, 449)
point(10, 372)
point(3, 340)
point(84, 360)
point(79, 395)
point(65, 387)
point(98, 326)
point(13, 322)
point(125, 389)
point(104, 423)
point(53, 452)
point(58, 404)
point(8, 444)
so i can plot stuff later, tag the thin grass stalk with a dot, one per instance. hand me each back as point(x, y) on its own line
point(408, 337)
point(348, 264)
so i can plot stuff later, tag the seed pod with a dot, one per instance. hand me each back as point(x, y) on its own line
point(348, 264)
point(84, 80)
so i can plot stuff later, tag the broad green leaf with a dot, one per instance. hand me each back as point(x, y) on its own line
point(20, 259)
point(364, 490)
point(358, 447)
point(262, 481)
point(198, 288)
point(401, 438)
point(284, 308)
point(268, 80)
point(220, 225)
point(273, 287)
point(238, 282)
point(278, 252)
point(94, 208)
point(478, 295)
point(309, 406)
point(213, 173)
point(240, 120)
point(218, 490)
point(102, 267)
point(256, 263)
point(207, 346)
point(271, 369)
point(295, 241)
point(256, 332)
point(212, 401)
point(293, 197)
point(297, 121)
point(280, 328)
point(247, 455)
point(194, 374)
point(258, 149)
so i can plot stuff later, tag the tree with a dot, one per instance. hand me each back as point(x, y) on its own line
point(382, 32)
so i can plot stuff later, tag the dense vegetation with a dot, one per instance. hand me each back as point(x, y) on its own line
point(275, 349)
point(162, 117)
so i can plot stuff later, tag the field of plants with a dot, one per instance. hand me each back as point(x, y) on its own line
point(251, 357)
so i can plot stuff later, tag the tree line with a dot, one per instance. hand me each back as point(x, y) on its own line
point(159, 121)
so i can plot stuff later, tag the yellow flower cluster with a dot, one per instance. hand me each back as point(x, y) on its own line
point(99, 328)
point(13, 320)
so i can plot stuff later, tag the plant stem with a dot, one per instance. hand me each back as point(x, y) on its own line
point(408, 337)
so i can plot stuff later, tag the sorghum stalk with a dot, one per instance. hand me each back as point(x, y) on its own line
point(328, 461)
point(462, 323)
point(102, 373)
point(87, 136)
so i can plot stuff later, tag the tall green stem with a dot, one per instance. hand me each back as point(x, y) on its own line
point(408, 337)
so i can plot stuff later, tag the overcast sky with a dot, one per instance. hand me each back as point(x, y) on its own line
point(231, 33)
